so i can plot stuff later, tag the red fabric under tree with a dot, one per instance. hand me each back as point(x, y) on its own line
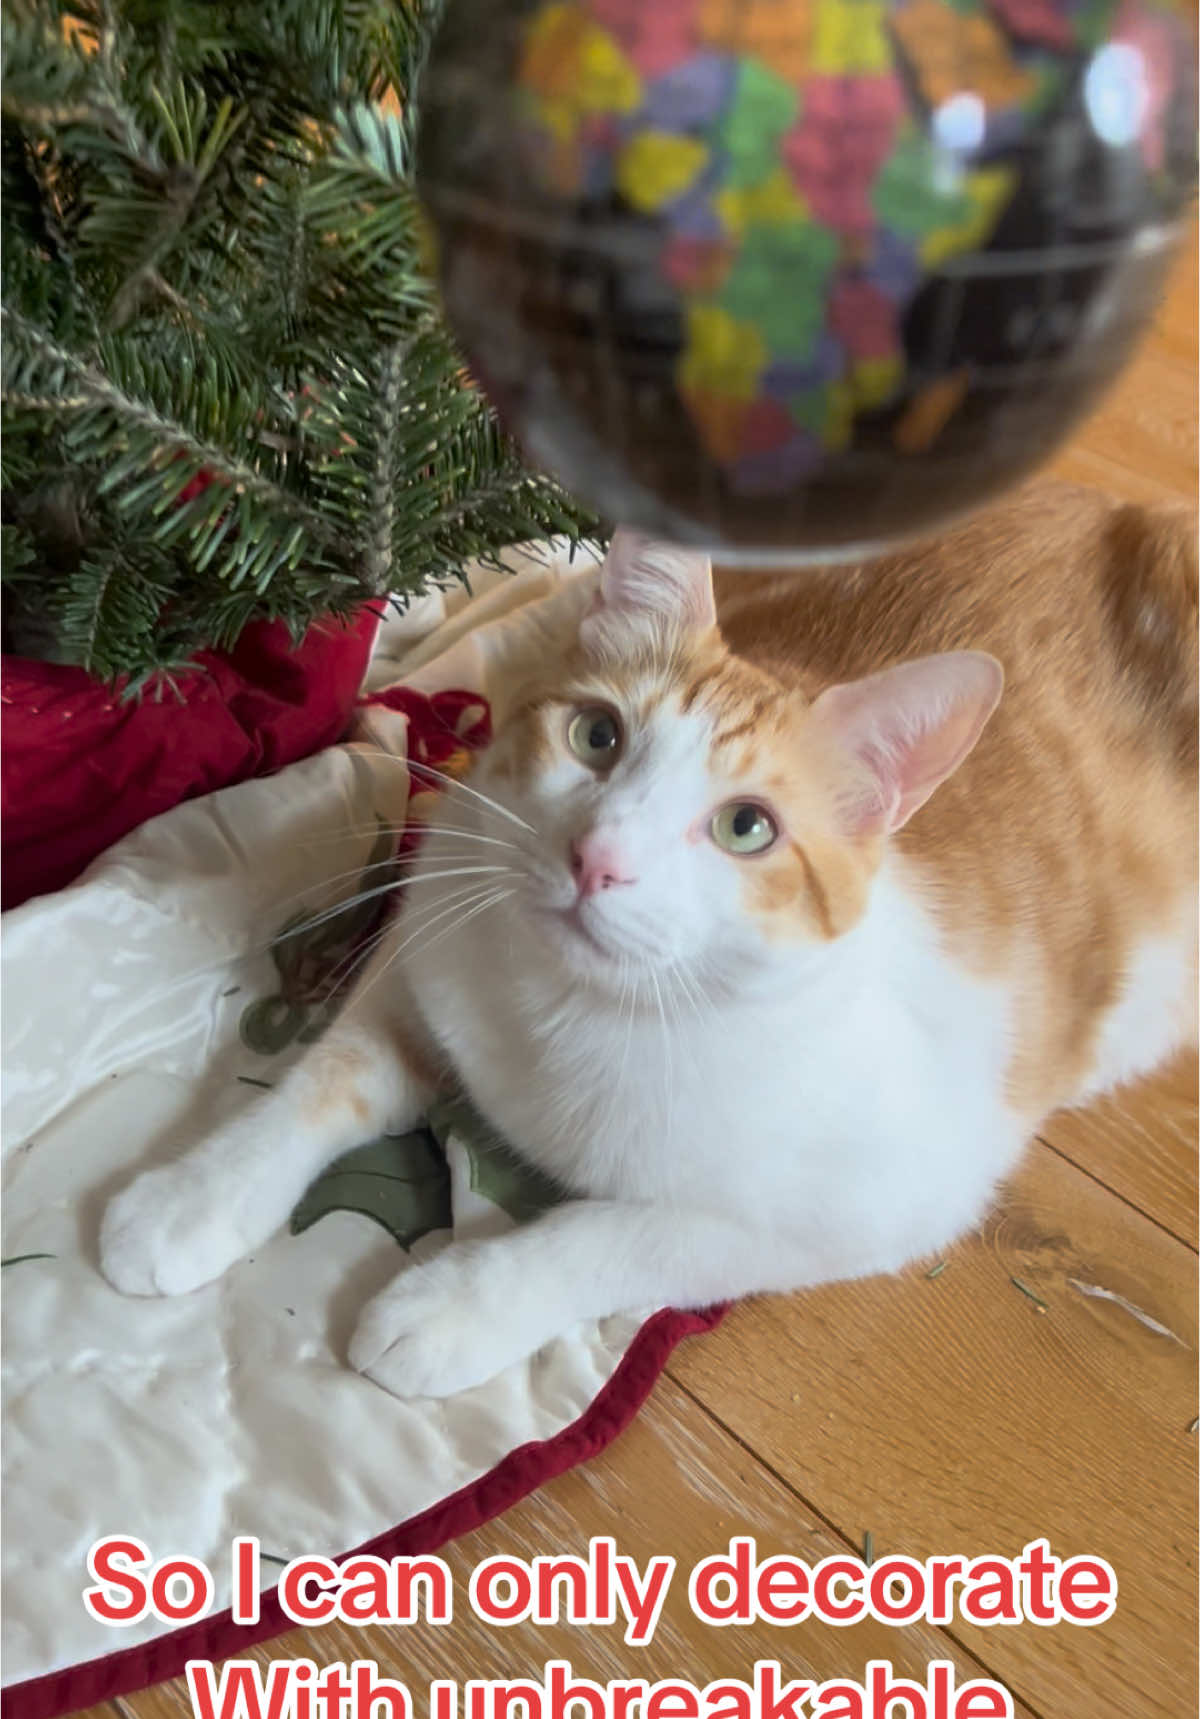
point(81, 768)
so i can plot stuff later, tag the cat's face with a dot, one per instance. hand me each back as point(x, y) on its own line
point(664, 835)
point(685, 811)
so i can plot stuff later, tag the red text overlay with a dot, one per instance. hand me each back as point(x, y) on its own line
point(730, 1589)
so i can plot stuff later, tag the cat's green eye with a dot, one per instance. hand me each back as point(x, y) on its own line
point(743, 827)
point(594, 736)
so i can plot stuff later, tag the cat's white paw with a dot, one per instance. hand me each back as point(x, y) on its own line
point(441, 1328)
point(169, 1232)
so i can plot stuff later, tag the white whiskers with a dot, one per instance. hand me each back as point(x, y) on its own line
point(384, 889)
point(476, 901)
point(452, 783)
point(415, 826)
point(407, 861)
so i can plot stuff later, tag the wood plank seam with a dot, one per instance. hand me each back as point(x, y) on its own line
point(839, 1533)
point(1134, 1205)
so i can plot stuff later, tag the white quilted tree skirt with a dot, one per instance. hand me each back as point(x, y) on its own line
point(141, 1004)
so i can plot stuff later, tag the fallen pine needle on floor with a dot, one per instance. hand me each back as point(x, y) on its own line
point(1042, 1306)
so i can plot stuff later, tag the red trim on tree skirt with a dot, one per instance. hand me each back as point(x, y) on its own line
point(516, 1475)
point(81, 769)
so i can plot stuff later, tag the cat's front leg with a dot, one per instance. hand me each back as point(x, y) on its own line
point(183, 1224)
point(477, 1307)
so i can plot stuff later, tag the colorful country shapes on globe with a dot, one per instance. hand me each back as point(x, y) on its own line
point(952, 50)
point(838, 145)
point(723, 357)
point(987, 192)
point(718, 419)
point(911, 199)
point(763, 107)
point(575, 67)
point(691, 96)
point(773, 202)
point(850, 39)
point(774, 32)
point(656, 167)
point(801, 196)
point(1035, 21)
point(801, 254)
point(655, 34)
point(696, 265)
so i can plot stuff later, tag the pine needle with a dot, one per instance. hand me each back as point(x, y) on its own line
point(1042, 1306)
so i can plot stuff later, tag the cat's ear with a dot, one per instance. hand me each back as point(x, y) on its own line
point(907, 728)
point(645, 579)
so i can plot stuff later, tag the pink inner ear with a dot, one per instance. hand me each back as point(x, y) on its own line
point(641, 576)
point(911, 727)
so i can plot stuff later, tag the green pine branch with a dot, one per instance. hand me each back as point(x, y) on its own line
point(227, 391)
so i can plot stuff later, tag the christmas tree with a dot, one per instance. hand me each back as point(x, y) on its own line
point(228, 392)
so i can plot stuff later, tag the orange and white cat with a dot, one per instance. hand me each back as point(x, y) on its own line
point(772, 923)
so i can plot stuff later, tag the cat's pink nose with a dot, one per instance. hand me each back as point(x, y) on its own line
point(596, 864)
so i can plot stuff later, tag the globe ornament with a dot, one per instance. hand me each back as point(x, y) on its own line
point(789, 277)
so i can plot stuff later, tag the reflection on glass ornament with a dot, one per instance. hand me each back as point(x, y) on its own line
point(797, 276)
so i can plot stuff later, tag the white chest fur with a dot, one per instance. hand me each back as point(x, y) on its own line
point(864, 1082)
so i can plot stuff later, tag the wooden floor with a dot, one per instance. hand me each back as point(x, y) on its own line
point(1043, 1383)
